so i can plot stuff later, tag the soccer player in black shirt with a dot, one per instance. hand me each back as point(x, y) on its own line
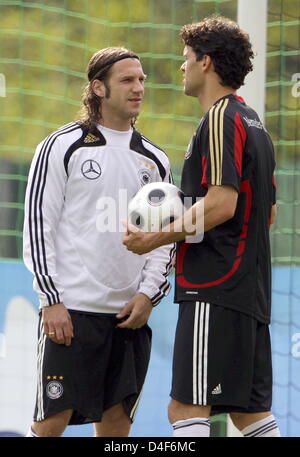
point(222, 353)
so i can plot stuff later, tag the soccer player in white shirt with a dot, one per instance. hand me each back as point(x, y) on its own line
point(95, 296)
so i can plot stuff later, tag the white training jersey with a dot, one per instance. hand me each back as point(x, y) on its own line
point(79, 186)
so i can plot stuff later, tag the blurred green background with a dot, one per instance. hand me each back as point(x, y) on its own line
point(44, 50)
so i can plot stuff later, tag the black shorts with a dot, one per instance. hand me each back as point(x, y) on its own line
point(222, 359)
point(102, 367)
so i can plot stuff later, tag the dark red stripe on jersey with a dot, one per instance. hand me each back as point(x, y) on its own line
point(247, 189)
point(241, 248)
point(180, 257)
point(240, 136)
point(244, 232)
point(240, 99)
point(273, 181)
point(184, 283)
point(204, 177)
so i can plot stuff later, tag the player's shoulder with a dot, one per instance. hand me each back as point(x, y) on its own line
point(224, 110)
point(141, 141)
point(64, 135)
point(65, 130)
point(227, 106)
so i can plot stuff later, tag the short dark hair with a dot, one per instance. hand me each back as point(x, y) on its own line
point(227, 45)
point(98, 68)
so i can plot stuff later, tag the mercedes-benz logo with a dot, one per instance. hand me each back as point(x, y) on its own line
point(91, 169)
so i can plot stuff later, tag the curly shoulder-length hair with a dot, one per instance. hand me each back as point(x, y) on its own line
point(99, 68)
point(227, 45)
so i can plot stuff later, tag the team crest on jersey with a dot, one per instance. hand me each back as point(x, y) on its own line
point(91, 169)
point(54, 390)
point(145, 176)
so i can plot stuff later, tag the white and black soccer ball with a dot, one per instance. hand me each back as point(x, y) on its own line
point(155, 205)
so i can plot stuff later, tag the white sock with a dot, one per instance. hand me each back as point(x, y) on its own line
point(31, 434)
point(264, 427)
point(196, 426)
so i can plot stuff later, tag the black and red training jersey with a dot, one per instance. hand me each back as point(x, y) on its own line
point(231, 267)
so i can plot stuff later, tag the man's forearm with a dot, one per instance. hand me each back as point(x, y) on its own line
point(214, 209)
point(189, 224)
point(204, 215)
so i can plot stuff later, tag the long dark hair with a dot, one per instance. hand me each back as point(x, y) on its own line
point(98, 68)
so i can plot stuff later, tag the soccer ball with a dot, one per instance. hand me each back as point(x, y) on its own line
point(155, 205)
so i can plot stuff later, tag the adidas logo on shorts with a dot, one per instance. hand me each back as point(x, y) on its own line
point(217, 390)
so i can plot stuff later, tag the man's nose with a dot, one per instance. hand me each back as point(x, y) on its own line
point(138, 87)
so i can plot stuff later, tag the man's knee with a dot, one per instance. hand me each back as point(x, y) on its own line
point(181, 411)
point(115, 414)
point(237, 420)
point(242, 420)
point(53, 426)
point(176, 410)
point(114, 422)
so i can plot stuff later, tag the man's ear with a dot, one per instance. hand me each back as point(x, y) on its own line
point(98, 88)
point(207, 62)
